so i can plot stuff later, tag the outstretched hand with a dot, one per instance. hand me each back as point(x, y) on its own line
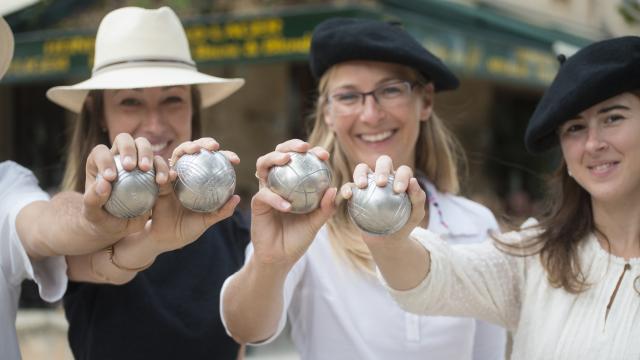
point(404, 181)
point(278, 236)
point(173, 226)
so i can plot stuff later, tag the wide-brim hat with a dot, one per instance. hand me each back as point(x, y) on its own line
point(340, 39)
point(6, 46)
point(594, 74)
point(6, 36)
point(142, 48)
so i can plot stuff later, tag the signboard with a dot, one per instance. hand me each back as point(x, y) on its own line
point(478, 52)
point(213, 41)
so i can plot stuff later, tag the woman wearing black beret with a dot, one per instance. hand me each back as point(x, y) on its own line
point(568, 286)
point(376, 95)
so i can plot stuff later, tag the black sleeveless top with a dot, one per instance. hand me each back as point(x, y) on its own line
point(169, 311)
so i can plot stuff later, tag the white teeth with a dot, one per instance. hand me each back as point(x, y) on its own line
point(376, 137)
point(602, 167)
point(158, 147)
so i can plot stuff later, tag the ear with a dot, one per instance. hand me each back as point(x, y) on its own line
point(428, 98)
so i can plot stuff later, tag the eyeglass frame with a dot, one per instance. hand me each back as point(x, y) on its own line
point(363, 95)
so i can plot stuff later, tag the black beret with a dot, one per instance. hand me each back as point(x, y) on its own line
point(343, 39)
point(596, 73)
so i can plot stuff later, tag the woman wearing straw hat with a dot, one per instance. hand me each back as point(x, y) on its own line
point(567, 286)
point(376, 94)
point(34, 232)
point(143, 100)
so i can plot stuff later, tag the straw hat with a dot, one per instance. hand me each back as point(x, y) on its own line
point(6, 36)
point(6, 46)
point(141, 48)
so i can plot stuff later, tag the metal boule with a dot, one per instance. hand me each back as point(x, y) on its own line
point(379, 210)
point(133, 192)
point(302, 181)
point(206, 180)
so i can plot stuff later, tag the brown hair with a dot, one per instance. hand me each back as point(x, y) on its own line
point(88, 132)
point(438, 155)
point(564, 223)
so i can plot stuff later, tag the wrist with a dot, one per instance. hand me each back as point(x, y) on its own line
point(132, 254)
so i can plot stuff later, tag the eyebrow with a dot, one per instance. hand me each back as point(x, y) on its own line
point(605, 110)
point(613, 107)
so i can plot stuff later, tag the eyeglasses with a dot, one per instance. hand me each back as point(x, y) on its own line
point(350, 102)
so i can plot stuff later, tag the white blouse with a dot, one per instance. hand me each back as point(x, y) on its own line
point(548, 323)
point(337, 312)
point(18, 188)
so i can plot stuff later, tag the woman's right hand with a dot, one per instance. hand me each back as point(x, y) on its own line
point(101, 172)
point(278, 236)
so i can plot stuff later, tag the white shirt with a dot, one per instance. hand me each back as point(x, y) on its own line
point(18, 188)
point(548, 323)
point(337, 312)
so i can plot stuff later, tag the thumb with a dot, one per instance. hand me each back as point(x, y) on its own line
point(327, 207)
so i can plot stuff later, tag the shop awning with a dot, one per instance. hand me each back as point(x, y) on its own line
point(474, 42)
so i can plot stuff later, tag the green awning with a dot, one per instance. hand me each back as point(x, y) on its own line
point(473, 41)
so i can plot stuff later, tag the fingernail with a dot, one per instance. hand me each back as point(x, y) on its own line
point(285, 205)
point(109, 173)
point(381, 178)
point(145, 161)
point(128, 160)
point(162, 177)
point(362, 181)
point(397, 186)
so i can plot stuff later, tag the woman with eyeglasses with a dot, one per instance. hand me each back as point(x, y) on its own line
point(376, 96)
point(568, 286)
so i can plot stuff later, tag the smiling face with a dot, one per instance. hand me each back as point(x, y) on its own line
point(378, 126)
point(162, 115)
point(601, 147)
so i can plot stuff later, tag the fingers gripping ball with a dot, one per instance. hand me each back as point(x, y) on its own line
point(379, 210)
point(133, 193)
point(302, 181)
point(205, 182)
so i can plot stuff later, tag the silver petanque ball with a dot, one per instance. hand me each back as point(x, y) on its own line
point(302, 181)
point(379, 210)
point(205, 182)
point(133, 193)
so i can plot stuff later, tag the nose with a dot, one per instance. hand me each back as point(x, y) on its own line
point(371, 110)
point(595, 139)
point(154, 122)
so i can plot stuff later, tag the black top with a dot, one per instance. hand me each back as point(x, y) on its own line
point(169, 311)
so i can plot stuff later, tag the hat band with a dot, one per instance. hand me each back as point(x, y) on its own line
point(189, 64)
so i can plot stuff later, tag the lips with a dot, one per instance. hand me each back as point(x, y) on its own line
point(603, 167)
point(159, 146)
point(381, 136)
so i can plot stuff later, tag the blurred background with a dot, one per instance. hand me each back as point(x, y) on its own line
point(504, 52)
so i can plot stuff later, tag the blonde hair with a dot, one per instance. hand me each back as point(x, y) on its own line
point(438, 155)
point(89, 132)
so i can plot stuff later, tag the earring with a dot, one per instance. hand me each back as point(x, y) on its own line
point(569, 172)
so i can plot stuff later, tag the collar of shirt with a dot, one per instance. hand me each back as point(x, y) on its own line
point(446, 217)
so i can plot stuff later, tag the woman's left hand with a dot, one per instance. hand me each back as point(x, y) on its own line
point(404, 181)
point(172, 226)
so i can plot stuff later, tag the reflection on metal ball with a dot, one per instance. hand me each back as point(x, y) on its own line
point(302, 181)
point(206, 180)
point(379, 210)
point(133, 193)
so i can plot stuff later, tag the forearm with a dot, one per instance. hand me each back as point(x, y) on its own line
point(253, 301)
point(117, 264)
point(59, 227)
point(403, 264)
